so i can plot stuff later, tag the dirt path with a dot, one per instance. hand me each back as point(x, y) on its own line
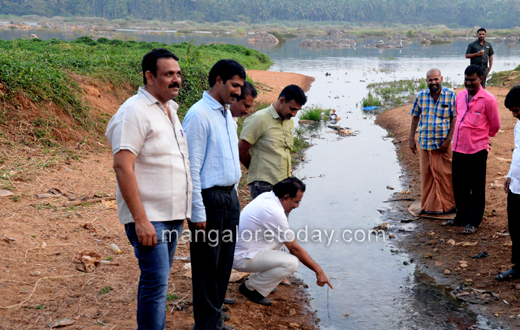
point(431, 238)
point(39, 281)
point(271, 83)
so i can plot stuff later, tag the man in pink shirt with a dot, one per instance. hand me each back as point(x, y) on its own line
point(477, 120)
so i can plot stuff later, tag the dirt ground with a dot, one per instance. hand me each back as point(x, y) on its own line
point(41, 285)
point(429, 243)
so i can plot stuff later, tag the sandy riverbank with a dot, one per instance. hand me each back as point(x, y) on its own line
point(431, 238)
point(40, 284)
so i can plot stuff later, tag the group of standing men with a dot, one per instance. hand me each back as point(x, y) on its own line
point(167, 173)
point(453, 176)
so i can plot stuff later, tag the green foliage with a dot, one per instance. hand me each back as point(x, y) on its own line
point(311, 114)
point(43, 72)
point(371, 100)
point(452, 13)
point(105, 290)
point(279, 36)
point(171, 296)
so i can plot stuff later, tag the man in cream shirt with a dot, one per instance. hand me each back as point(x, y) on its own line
point(153, 179)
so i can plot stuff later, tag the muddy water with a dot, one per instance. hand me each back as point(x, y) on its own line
point(376, 286)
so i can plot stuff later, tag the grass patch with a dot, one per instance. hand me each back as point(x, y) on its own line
point(371, 100)
point(313, 114)
point(171, 296)
point(105, 290)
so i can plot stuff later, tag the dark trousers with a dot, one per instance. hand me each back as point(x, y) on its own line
point(469, 186)
point(257, 188)
point(513, 216)
point(484, 77)
point(212, 256)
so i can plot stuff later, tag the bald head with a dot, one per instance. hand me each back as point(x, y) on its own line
point(434, 81)
point(433, 71)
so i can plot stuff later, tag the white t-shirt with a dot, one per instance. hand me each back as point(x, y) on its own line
point(263, 226)
point(514, 172)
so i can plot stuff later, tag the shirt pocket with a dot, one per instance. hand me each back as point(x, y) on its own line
point(475, 117)
point(442, 112)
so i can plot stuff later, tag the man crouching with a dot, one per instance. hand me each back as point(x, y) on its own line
point(262, 232)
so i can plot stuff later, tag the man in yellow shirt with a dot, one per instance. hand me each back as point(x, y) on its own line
point(267, 139)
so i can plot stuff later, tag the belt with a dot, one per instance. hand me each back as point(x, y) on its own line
point(222, 188)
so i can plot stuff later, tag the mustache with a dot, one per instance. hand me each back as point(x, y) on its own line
point(235, 96)
point(174, 85)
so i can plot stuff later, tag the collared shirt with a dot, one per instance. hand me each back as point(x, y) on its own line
point(435, 121)
point(213, 145)
point(271, 138)
point(477, 120)
point(476, 47)
point(141, 126)
point(263, 226)
point(514, 172)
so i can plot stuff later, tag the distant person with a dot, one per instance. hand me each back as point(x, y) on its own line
point(434, 112)
point(512, 189)
point(215, 171)
point(262, 231)
point(241, 106)
point(477, 120)
point(266, 141)
point(481, 52)
point(153, 179)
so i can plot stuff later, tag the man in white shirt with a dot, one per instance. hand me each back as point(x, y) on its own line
point(262, 231)
point(512, 189)
point(153, 179)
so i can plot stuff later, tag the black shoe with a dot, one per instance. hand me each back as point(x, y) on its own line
point(254, 295)
point(225, 317)
point(230, 301)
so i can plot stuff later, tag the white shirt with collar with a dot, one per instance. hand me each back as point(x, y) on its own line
point(162, 168)
point(514, 172)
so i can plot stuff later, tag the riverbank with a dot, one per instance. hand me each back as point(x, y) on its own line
point(429, 242)
point(40, 236)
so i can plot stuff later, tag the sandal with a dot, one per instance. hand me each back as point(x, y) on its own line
point(507, 275)
point(470, 229)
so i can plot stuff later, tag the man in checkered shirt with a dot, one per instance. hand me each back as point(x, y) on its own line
point(434, 112)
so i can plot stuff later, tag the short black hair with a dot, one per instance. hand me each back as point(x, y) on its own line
point(513, 98)
point(247, 89)
point(293, 92)
point(289, 186)
point(471, 69)
point(225, 69)
point(481, 29)
point(150, 60)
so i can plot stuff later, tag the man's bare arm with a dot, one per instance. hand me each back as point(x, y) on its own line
point(490, 62)
point(447, 141)
point(413, 128)
point(477, 54)
point(124, 167)
point(243, 152)
point(305, 258)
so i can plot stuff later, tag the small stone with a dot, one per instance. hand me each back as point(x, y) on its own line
point(435, 250)
point(35, 273)
point(394, 250)
point(294, 326)
point(292, 312)
point(428, 255)
point(463, 265)
point(406, 263)
point(451, 242)
point(447, 272)
point(496, 315)
point(391, 236)
point(432, 233)
point(438, 263)
point(389, 187)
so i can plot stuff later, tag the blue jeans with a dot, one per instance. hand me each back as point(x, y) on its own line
point(155, 264)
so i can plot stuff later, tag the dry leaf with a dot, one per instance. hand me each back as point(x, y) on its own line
point(87, 261)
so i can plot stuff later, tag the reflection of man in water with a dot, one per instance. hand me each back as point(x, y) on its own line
point(262, 231)
point(434, 111)
point(480, 52)
point(266, 141)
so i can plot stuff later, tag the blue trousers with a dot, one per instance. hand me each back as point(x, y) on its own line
point(155, 264)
